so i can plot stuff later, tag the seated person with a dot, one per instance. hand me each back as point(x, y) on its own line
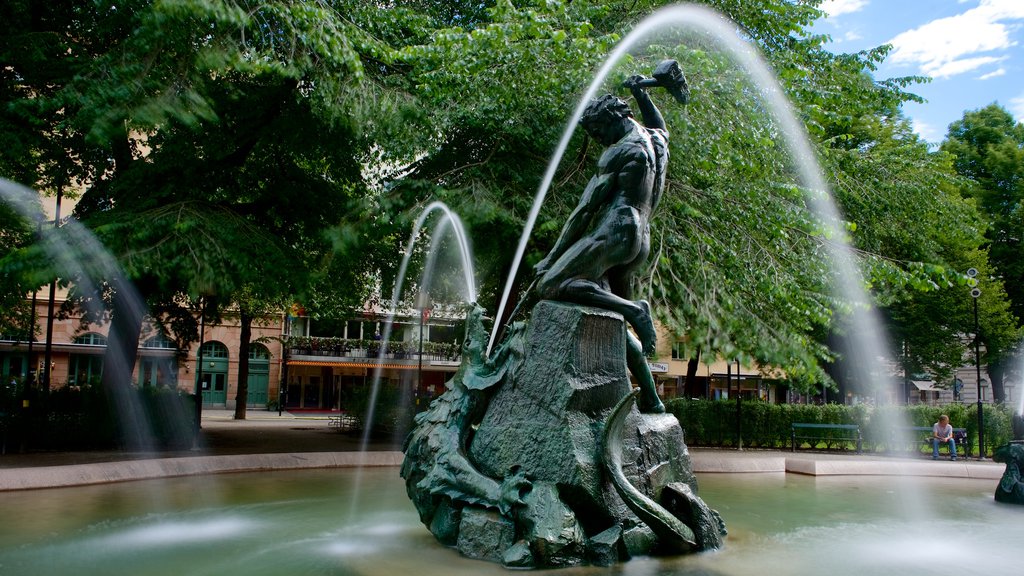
point(942, 431)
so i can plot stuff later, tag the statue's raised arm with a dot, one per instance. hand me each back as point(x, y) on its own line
point(650, 114)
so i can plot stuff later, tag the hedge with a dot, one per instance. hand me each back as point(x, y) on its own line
point(88, 418)
point(713, 423)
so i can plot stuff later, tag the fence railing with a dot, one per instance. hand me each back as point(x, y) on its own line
point(370, 349)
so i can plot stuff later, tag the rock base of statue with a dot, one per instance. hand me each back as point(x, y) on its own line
point(1011, 486)
point(543, 423)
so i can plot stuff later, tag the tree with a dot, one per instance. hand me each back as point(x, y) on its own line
point(321, 130)
point(988, 149)
point(16, 232)
point(740, 268)
point(187, 126)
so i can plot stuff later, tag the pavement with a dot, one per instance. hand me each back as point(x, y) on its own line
point(268, 441)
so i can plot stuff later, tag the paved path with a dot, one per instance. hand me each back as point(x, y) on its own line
point(266, 441)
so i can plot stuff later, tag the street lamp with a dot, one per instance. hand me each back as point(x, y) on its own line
point(972, 281)
point(199, 374)
point(425, 308)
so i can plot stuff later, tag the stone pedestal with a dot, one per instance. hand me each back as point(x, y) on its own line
point(546, 420)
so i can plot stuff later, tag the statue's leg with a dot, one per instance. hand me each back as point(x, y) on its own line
point(578, 275)
point(637, 363)
point(637, 313)
point(644, 326)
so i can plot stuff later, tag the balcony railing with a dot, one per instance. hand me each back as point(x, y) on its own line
point(370, 349)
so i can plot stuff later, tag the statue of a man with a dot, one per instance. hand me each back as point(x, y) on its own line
point(607, 237)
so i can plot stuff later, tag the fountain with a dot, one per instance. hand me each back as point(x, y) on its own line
point(521, 460)
point(500, 487)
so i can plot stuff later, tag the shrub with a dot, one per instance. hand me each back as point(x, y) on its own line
point(763, 425)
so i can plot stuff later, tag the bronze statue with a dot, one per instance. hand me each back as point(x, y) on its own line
point(538, 456)
point(608, 237)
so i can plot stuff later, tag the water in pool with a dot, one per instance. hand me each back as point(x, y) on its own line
point(297, 523)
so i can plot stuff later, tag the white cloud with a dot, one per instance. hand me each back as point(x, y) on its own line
point(851, 36)
point(993, 74)
point(927, 132)
point(961, 66)
point(837, 7)
point(948, 46)
point(1016, 107)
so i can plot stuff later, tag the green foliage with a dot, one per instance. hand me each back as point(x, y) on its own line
point(987, 147)
point(765, 425)
point(231, 149)
point(392, 413)
point(186, 124)
point(16, 279)
point(78, 418)
point(740, 266)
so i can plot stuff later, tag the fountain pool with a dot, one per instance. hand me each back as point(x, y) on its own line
point(296, 523)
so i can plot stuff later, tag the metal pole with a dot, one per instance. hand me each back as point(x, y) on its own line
point(739, 409)
point(419, 373)
point(30, 378)
point(425, 308)
point(282, 386)
point(977, 370)
point(199, 370)
point(48, 350)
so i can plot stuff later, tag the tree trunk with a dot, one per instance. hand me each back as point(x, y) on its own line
point(996, 371)
point(242, 398)
point(690, 384)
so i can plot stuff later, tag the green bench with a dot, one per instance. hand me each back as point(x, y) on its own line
point(813, 434)
point(918, 435)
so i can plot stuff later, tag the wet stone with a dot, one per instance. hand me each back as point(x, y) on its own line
point(603, 549)
point(484, 534)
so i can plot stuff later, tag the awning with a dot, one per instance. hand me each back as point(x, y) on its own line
point(924, 384)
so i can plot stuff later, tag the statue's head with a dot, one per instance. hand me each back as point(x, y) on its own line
point(606, 119)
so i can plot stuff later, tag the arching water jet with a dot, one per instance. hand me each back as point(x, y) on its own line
point(450, 223)
point(77, 253)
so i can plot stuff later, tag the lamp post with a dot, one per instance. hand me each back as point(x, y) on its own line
point(425, 308)
point(972, 281)
point(199, 370)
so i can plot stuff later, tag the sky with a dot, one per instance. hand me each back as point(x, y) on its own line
point(972, 49)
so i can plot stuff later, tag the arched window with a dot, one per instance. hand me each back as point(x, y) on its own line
point(258, 351)
point(91, 339)
point(214, 349)
point(159, 341)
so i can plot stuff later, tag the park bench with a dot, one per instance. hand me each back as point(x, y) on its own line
point(922, 435)
point(343, 422)
point(813, 434)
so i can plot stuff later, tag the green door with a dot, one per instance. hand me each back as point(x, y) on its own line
point(215, 373)
point(259, 375)
point(259, 385)
point(215, 388)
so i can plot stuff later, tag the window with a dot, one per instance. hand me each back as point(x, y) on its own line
point(91, 339)
point(441, 333)
point(85, 369)
point(159, 341)
point(214, 349)
point(678, 353)
point(258, 352)
point(369, 330)
point(353, 330)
